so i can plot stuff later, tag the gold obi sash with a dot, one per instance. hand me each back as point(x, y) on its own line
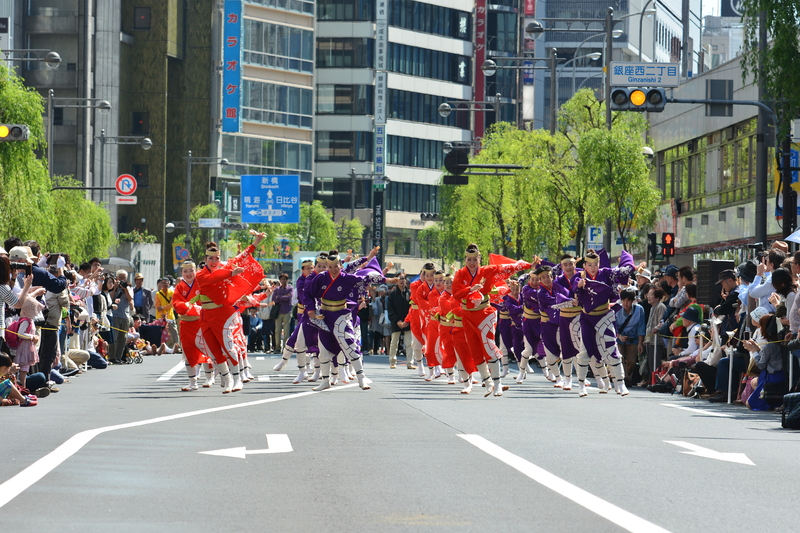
point(210, 305)
point(458, 322)
point(333, 305)
point(300, 308)
point(413, 305)
point(544, 316)
point(529, 313)
point(571, 312)
point(599, 310)
point(188, 318)
point(504, 315)
point(481, 306)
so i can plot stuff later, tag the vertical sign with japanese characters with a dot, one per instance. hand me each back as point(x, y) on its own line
point(530, 8)
point(232, 66)
point(381, 89)
point(480, 57)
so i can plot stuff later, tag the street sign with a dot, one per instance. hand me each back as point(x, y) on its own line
point(594, 237)
point(125, 185)
point(209, 223)
point(625, 74)
point(270, 199)
point(125, 200)
point(4, 33)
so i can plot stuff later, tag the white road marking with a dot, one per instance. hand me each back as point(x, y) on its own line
point(699, 451)
point(16, 485)
point(609, 511)
point(276, 443)
point(706, 412)
point(259, 358)
point(169, 374)
point(263, 377)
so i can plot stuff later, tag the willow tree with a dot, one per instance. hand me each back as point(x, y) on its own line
point(62, 221)
point(776, 63)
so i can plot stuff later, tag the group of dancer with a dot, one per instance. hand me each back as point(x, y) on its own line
point(207, 301)
point(556, 315)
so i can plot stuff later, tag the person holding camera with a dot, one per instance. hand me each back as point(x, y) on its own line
point(121, 316)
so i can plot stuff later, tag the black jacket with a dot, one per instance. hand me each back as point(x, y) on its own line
point(397, 305)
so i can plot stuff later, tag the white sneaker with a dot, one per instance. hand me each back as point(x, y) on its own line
point(587, 382)
point(248, 374)
point(499, 388)
point(420, 369)
point(521, 376)
point(237, 384)
point(437, 372)
point(301, 377)
point(622, 390)
point(567, 383)
point(467, 388)
point(601, 385)
point(334, 379)
point(451, 380)
point(363, 382)
point(489, 388)
point(280, 366)
point(428, 374)
point(609, 385)
point(315, 376)
point(324, 384)
point(582, 390)
point(208, 382)
point(559, 382)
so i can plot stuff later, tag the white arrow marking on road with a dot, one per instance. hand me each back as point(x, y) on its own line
point(711, 454)
point(275, 444)
point(169, 374)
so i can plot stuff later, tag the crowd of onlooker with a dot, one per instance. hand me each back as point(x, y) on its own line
point(743, 350)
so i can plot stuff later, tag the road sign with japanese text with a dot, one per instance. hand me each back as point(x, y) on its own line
point(270, 199)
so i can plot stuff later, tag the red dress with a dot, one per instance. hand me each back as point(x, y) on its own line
point(480, 318)
point(219, 291)
point(189, 315)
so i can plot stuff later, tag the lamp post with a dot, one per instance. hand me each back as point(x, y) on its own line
point(51, 59)
point(592, 55)
point(191, 160)
point(642, 14)
point(92, 103)
point(141, 140)
point(614, 33)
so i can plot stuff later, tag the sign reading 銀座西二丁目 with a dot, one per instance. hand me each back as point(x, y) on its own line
point(270, 199)
point(645, 74)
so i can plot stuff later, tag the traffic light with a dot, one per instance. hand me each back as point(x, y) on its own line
point(233, 226)
point(668, 244)
point(429, 216)
point(13, 132)
point(652, 245)
point(637, 99)
point(456, 161)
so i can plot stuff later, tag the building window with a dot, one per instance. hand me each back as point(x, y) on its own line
point(431, 64)
point(58, 116)
point(277, 46)
point(414, 152)
point(428, 18)
point(141, 18)
point(344, 145)
point(346, 52)
point(349, 10)
point(142, 175)
point(345, 99)
point(141, 123)
point(265, 156)
point(270, 103)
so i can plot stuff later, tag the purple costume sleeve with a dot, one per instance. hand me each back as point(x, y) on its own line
point(547, 299)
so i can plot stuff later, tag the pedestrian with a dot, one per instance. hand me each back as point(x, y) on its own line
point(398, 306)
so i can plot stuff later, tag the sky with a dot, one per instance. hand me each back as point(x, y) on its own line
point(711, 7)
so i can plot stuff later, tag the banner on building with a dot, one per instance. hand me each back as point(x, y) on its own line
point(232, 67)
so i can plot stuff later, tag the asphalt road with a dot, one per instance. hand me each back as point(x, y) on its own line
point(119, 450)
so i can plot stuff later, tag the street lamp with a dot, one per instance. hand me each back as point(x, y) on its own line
point(190, 160)
point(51, 59)
point(594, 56)
point(141, 140)
point(616, 34)
point(490, 67)
point(646, 13)
point(94, 103)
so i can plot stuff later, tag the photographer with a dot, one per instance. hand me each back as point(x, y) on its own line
point(123, 298)
point(23, 258)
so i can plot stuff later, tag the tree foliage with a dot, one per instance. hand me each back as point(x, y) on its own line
point(62, 220)
point(571, 180)
point(776, 65)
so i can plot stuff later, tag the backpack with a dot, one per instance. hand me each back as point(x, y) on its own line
point(790, 417)
point(12, 333)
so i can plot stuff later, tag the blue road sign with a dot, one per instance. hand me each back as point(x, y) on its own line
point(271, 199)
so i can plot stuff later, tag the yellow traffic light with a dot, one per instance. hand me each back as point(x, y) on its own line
point(637, 97)
point(3, 131)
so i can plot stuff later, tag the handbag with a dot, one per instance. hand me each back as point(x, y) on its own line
point(274, 312)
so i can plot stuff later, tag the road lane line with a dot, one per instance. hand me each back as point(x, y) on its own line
point(609, 511)
point(16, 485)
point(169, 374)
point(694, 410)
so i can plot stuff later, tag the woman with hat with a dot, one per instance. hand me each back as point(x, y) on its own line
point(221, 286)
point(472, 285)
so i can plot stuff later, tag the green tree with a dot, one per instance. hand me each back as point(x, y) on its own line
point(776, 64)
point(63, 220)
point(350, 233)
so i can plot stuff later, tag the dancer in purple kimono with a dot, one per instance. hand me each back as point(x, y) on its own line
point(531, 327)
point(569, 325)
point(331, 291)
point(513, 303)
point(551, 295)
point(593, 289)
point(503, 332)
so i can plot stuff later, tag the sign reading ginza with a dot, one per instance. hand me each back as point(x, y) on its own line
point(645, 74)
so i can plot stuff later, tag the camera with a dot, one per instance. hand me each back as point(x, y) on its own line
point(759, 249)
point(123, 284)
point(52, 259)
point(22, 266)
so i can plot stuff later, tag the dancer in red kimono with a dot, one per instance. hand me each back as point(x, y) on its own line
point(189, 315)
point(221, 286)
point(472, 285)
point(418, 315)
point(433, 350)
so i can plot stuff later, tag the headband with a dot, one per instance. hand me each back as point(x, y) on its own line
point(188, 264)
point(476, 253)
point(333, 259)
point(306, 262)
point(212, 253)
